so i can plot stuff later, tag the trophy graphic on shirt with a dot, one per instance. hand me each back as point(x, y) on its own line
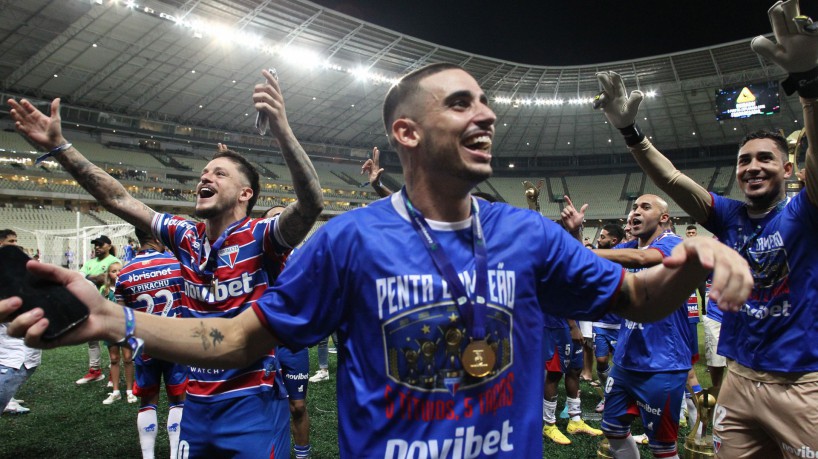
point(532, 194)
point(701, 446)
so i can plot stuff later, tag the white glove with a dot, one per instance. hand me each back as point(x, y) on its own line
point(797, 37)
point(618, 107)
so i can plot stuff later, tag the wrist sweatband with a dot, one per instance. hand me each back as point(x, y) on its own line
point(58, 149)
point(136, 344)
point(632, 134)
point(806, 83)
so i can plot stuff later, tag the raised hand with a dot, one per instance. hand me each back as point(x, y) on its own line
point(40, 130)
point(572, 218)
point(267, 98)
point(796, 50)
point(372, 167)
point(619, 107)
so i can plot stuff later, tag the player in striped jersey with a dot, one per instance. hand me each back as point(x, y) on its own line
point(152, 283)
point(227, 412)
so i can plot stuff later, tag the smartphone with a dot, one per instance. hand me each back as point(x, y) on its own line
point(261, 118)
point(62, 309)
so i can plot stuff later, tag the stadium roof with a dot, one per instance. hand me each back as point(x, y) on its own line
point(193, 63)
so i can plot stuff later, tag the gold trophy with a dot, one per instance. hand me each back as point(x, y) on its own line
point(702, 447)
point(532, 194)
point(795, 183)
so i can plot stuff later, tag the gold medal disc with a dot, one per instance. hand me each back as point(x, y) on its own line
point(478, 358)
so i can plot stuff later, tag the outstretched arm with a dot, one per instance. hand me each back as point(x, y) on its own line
point(372, 167)
point(46, 132)
point(654, 293)
point(621, 109)
point(299, 217)
point(631, 258)
point(796, 51)
point(215, 343)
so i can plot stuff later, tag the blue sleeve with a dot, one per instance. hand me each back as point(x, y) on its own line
point(665, 245)
point(170, 230)
point(722, 211)
point(305, 303)
point(576, 283)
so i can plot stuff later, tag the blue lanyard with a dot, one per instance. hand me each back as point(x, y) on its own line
point(208, 267)
point(473, 312)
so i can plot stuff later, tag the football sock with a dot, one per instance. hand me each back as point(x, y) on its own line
point(302, 451)
point(549, 409)
point(146, 424)
point(624, 448)
point(574, 408)
point(174, 426)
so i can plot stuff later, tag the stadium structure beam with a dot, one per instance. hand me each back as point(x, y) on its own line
point(54, 46)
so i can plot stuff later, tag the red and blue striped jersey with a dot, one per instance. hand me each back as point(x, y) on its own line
point(224, 286)
point(152, 283)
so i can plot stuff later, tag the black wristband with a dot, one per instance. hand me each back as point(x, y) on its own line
point(806, 83)
point(632, 134)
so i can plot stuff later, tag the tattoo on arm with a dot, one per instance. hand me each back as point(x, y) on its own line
point(217, 336)
point(201, 333)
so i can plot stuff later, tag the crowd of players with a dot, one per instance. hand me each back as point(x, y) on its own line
point(441, 299)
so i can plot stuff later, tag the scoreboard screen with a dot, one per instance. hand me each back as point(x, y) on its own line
point(746, 101)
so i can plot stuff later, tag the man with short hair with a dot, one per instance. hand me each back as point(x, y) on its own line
point(768, 397)
point(691, 231)
point(435, 348)
point(610, 235)
point(222, 266)
point(95, 270)
point(651, 360)
point(8, 237)
point(152, 283)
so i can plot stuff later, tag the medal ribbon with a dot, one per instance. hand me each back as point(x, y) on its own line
point(473, 312)
point(208, 267)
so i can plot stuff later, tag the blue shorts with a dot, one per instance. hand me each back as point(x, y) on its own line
point(657, 397)
point(253, 426)
point(148, 375)
point(605, 341)
point(694, 342)
point(295, 367)
point(565, 352)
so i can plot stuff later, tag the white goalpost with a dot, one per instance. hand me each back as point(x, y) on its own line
point(72, 247)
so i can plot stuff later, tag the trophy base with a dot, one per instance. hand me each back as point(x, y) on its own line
point(700, 449)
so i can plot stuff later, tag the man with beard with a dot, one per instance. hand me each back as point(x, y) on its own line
point(221, 262)
point(436, 344)
point(768, 397)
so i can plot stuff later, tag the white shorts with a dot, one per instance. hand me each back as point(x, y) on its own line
point(712, 330)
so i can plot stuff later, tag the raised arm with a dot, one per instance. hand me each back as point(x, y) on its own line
point(796, 51)
point(46, 132)
point(631, 258)
point(654, 293)
point(214, 343)
point(372, 168)
point(299, 217)
point(621, 109)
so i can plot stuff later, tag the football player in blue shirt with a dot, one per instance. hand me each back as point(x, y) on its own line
point(439, 321)
point(768, 397)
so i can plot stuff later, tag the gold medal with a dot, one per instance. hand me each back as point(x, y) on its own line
point(478, 358)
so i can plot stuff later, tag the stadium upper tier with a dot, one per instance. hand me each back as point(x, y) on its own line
point(609, 195)
point(141, 70)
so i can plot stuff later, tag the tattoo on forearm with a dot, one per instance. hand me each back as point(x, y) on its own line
point(217, 336)
point(201, 333)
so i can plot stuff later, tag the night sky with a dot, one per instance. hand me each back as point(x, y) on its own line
point(569, 32)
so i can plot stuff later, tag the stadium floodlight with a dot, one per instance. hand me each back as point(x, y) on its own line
point(651, 93)
point(96, 2)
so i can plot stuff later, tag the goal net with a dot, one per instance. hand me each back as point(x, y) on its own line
point(71, 248)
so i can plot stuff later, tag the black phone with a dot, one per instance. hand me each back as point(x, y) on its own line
point(62, 309)
point(261, 117)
